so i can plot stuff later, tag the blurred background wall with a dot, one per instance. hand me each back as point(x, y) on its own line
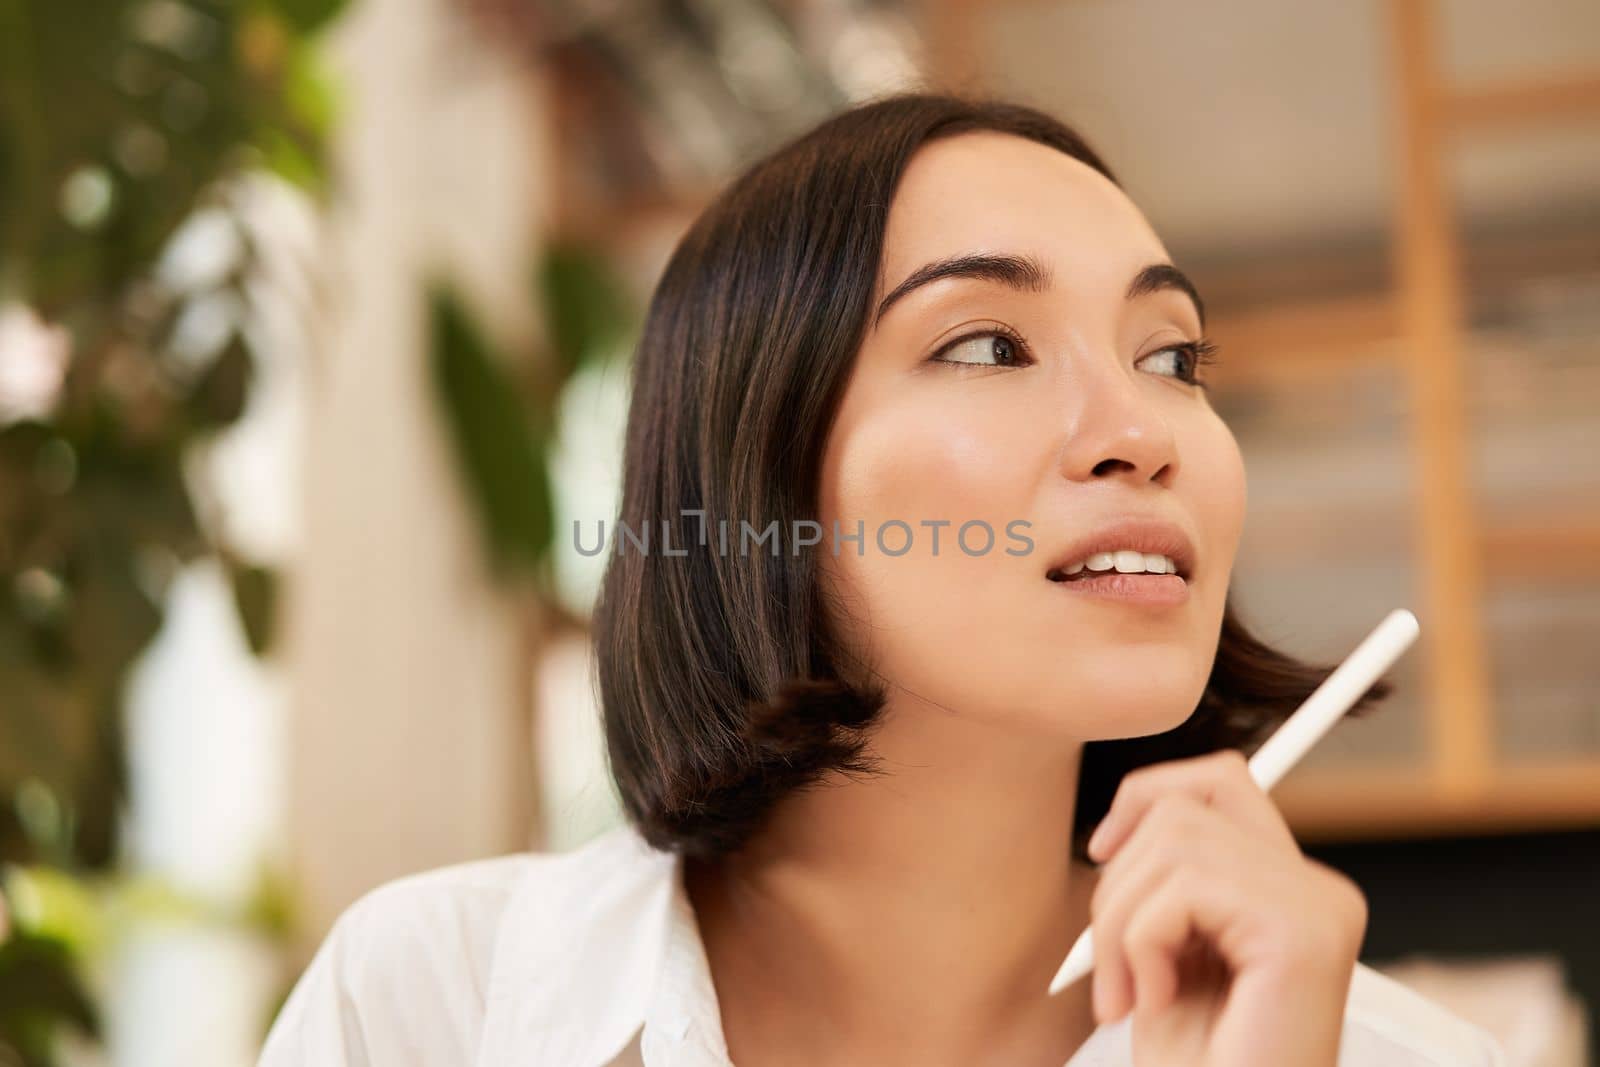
point(315, 318)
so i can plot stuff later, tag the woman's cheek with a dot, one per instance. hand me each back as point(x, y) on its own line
point(925, 464)
point(1220, 500)
point(907, 470)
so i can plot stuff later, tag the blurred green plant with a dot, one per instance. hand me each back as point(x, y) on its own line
point(502, 408)
point(500, 439)
point(39, 994)
point(121, 121)
point(62, 919)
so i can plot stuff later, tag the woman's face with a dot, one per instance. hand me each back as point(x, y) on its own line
point(1086, 419)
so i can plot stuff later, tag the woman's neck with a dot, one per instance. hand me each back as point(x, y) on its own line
point(915, 916)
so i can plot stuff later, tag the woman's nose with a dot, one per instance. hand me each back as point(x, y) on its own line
point(1115, 428)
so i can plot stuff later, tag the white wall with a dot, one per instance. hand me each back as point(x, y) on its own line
point(407, 680)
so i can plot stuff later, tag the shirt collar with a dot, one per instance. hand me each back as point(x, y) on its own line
point(601, 941)
point(595, 943)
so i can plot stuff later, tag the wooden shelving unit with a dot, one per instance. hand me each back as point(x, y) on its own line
point(1462, 784)
point(1376, 803)
point(1465, 786)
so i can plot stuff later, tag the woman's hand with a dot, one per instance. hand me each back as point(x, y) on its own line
point(1231, 947)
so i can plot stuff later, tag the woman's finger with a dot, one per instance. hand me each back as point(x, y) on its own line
point(1295, 918)
point(1220, 779)
point(1176, 831)
point(1158, 933)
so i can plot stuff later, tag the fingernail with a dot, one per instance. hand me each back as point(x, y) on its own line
point(1095, 839)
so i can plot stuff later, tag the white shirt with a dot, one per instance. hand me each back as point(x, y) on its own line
point(593, 958)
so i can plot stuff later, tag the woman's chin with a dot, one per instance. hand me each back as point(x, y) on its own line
point(1121, 714)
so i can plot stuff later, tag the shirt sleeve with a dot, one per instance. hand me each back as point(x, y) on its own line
point(395, 983)
point(320, 1022)
point(1388, 1024)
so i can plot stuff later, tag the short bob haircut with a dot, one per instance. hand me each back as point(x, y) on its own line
point(721, 685)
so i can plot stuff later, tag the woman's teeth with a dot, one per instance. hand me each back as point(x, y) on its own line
point(1124, 561)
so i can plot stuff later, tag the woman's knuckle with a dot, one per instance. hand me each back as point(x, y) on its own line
point(1231, 759)
point(1353, 898)
point(1175, 811)
point(1100, 899)
point(1140, 934)
point(1347, 909)
point(1134, 781)
point(1136, 938)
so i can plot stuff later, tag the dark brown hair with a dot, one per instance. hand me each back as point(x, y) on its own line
point(721, 685)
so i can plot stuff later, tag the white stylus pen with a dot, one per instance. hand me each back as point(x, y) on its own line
point(1291, 741)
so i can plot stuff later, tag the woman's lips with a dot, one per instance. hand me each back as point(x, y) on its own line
point(1156, 590)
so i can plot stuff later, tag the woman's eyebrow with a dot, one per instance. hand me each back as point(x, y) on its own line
point(1159, 276)
point(1026, 273)
point(1021, 272)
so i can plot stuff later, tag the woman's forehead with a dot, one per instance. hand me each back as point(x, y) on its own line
point(995, 192)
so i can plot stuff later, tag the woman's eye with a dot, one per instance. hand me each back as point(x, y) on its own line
point(1186, 359)
point(987, 349)
point(1175, 357)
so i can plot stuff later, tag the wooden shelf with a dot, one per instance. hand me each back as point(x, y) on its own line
point(1300, 333)
point(1324, 337)
point(1572, 98)
point(1554, 547)
point(1362, 803)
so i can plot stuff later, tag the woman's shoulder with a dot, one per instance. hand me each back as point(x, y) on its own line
point(446, 916)
point(1388, 1023)
point(403, 973)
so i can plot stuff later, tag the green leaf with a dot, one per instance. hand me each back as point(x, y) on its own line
point(290, 159)
point(39, 988)
point(255, 595)
point(500, 448)
point(52, 903)
point(310, 92)
point(587, 306)
point(307, 16)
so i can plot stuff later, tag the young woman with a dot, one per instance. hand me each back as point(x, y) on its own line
point(922, 576)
